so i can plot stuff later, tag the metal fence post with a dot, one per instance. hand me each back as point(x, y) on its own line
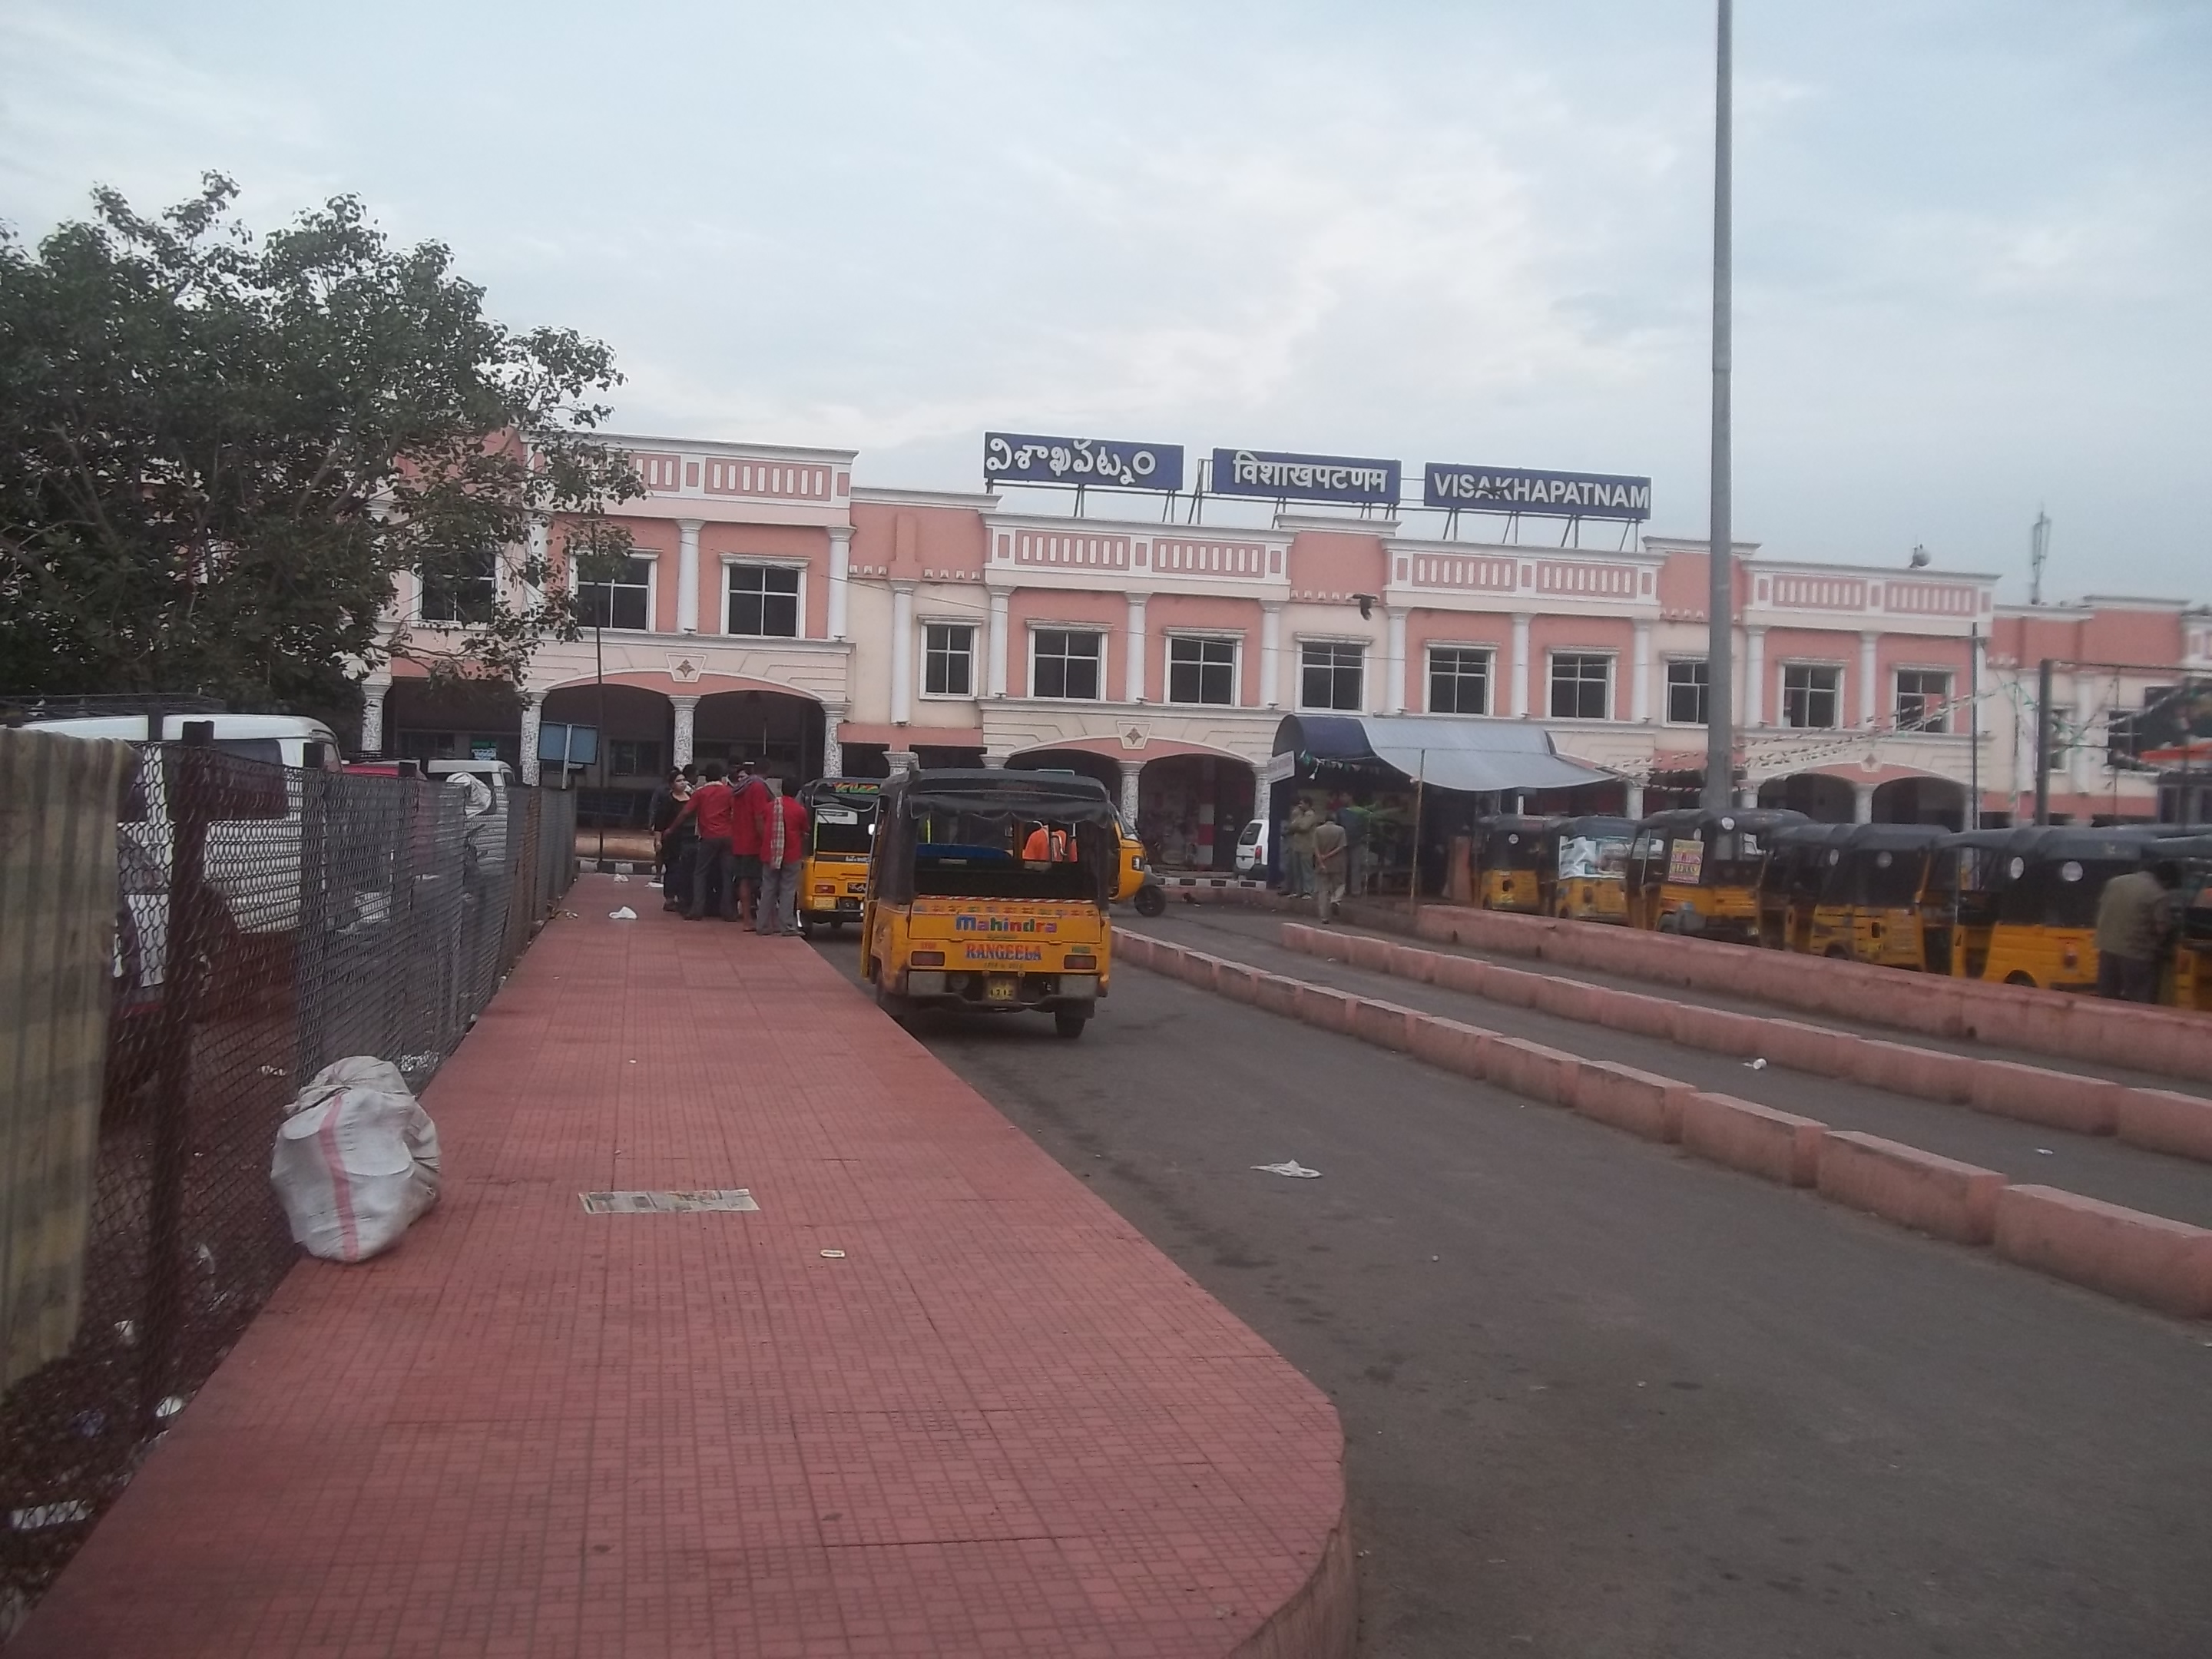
point(191, 783)
point(311, 956)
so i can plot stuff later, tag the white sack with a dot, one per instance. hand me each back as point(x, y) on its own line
point(356, 1160)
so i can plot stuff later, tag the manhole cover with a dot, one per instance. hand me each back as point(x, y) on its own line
point(716, 1197)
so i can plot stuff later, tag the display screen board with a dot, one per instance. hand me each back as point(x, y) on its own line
point(578, 746)
point(1025, 458)
point(1518, 489)
point(1280, 477)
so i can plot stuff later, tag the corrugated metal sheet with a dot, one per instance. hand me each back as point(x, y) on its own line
point(57, 898)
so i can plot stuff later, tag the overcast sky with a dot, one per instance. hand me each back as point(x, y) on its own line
point(1974, 237)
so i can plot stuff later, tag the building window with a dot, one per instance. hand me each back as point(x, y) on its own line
point(626, 602)
point(1686, 693)
point(1329, 676)
point(1458, 680)
point(1921, 694)
point(630, 757)
point(468, 593)
point(1064, 663)
point(948, 659)
point(1202, 671)
point(1812, 696)
point(763, 601)
point(1581, 686)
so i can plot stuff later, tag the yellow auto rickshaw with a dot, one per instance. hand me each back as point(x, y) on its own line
point(840, 828)
point(1509, 850)
point(1135, 881)
point(1696, 872)
point(960, 915)
point(2189, 982)
point(1585, 864)
point(1869, 904)
point(1789, 883)
point(2024, 911)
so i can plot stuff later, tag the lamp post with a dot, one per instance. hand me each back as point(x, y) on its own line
point(1720, 712)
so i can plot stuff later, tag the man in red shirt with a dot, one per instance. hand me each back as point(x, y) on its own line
point(779, 826)
point(713, 809)
point(748, 792)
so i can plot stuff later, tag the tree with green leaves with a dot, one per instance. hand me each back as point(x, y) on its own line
point(217, 452)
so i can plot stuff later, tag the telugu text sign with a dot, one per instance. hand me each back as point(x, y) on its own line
point(1023, 458)
point(1277, 477)
point(1517, 489)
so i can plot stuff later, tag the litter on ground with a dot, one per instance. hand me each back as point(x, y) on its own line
point(1289, 1167)
point(624, 914)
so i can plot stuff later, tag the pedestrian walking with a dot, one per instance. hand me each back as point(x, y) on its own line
point(1299, 849)
point(673, 845)
point(780, 830)
point(748, 790)
point(2137, 915)
point(711, 811)
point(1329, 843)
point(1352, 817)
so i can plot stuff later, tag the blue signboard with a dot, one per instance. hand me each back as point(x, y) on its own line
point(1517, 490)
point(1304, 477)
point(1019, 457)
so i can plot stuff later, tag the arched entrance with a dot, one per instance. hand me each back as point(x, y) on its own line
point(426, 722)
point(779, 732)
point(1103, 768)
point(1190, 809)
point(635, 752)
point(1921, 800)
point(1823, 799)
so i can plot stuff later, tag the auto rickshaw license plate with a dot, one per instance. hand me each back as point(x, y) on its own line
point(1000, 987)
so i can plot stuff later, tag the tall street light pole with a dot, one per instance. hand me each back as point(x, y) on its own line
point(1720, 709)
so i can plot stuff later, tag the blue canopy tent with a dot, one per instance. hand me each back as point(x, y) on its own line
point(1468, 755)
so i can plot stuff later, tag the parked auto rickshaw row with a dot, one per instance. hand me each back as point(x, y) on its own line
point(2012, 906)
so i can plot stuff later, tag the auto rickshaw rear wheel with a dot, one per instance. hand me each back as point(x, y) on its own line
point(1069, 1021)
point(1150, 900)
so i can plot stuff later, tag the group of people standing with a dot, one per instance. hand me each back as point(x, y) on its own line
point(1325, 852)
point(730, 845)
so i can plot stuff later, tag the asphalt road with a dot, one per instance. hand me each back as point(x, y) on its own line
point(1601, 1399)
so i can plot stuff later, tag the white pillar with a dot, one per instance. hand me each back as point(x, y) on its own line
point(901, 652)
point(998, 643)
point(1640, 697)
point(1131, 771)
point(1868, 702)
point(533, 710)
point(841, 566)
point(686, 718)
point(1754, 678)
point(1133, 681)
point(1632, 803)
point(372, 717)
point(1271, 653)
point(533, 592)
point(1861, 803)
point(687, 575)
point(1393, 660)
point(833, 748)
point(1520, 669)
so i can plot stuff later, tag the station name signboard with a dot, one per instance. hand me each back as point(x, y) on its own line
point(1517, 490)
point(1278, 477)
point(1023, 458)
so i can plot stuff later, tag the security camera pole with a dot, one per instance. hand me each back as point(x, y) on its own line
point(1720, 712)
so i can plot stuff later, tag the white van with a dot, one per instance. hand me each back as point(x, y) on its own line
point(254, 845)
point(1253, 843)
point(488, 785)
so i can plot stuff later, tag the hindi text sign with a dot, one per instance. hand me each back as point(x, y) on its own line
point(1277, 477)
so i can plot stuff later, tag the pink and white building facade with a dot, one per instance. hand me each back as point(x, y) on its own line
point(775, 611)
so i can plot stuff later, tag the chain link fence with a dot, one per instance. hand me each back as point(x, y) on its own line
point(270, 921)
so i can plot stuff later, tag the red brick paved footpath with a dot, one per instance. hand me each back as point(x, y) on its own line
point(1002, 1423)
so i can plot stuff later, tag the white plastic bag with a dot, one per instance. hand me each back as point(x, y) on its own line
point(356, 1160)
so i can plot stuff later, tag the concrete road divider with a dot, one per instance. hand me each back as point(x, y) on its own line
point(1318, 1005)
point(1758, 1139)
point(2171, 1042)
point(2164, 1121)
point(1276, 995)
point(1385, 1024)
point(1643, 1103)
point(2162, 1264)
point(1938, 1195)
point(1453, 1046)
point(2059, 1100)
point(1531, 1069)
